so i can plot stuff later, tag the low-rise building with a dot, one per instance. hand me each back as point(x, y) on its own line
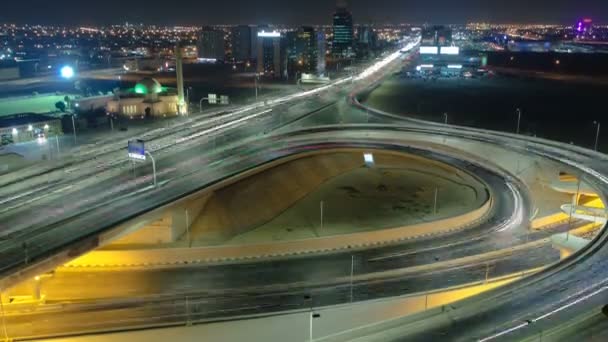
point(147, 99)
point(28, 127)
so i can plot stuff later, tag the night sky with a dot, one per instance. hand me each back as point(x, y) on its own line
point(201, 12)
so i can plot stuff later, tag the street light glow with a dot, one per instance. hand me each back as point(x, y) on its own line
point(67, 72)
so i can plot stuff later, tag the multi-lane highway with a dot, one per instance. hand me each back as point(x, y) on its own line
point(220, 292)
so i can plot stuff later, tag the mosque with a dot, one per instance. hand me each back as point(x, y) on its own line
point(147, 99)
point(150, 99)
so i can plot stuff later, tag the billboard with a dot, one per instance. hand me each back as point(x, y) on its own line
point(136, 149)
point(212, 98)
point(450, 50)
point(429, 50)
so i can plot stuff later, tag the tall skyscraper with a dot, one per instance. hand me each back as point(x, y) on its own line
point(343, 30)
point(241, 42)
point(211, 44)
point(437, 36)
point(321, 48)
point(302, 50)
point(271, 54)
point(367, 41)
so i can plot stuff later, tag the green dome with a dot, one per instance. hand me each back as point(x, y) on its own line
point(148, 86)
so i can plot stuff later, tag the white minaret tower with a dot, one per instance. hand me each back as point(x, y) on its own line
point(179, 70)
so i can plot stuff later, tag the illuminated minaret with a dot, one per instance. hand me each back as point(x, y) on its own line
point(181, 103)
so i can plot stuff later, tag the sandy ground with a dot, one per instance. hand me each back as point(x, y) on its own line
point(367, 199)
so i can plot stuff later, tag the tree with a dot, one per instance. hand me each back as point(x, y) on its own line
point(60, 105)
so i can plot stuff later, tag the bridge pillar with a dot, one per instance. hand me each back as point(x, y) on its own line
point(568, 244)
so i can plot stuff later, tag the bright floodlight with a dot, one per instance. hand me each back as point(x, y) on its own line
point(67, 72)
point(369, 158)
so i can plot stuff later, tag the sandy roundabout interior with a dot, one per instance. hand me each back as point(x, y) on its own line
point(282, 201)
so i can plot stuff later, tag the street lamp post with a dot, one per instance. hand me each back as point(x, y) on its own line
point(57, 142)
point(322, 207)
point(74, 128)
point(352, 273)
point(256, 84)
point(445, 118)
point(153, 166)
point(597, 134)
point(518, 119)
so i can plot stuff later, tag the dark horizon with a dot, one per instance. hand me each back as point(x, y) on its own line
point(314, 12)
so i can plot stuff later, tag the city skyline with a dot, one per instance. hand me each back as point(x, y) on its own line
point(309, 12)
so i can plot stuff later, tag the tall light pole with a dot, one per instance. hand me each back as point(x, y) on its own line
point(255, 81)
point(518, 119)
point(74, 128)
point(153, 166)
point(597, 134)
point(445, 118)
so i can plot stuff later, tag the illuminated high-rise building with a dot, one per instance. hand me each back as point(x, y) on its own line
point(270, 54)
point(343, 30)
point(321, 49)
point(302, 50)
point(437, 36)
point(241, 42)
point(211, 44)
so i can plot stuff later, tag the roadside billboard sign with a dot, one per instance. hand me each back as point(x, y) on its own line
point(136, 149)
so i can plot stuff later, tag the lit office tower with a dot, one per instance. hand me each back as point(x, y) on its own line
point(367, 36)
point(321, 44)
point(211, 44)
point(437, 36)
point(302, 50)
point(241, 43)
point(271, 54)
point(343, 31)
